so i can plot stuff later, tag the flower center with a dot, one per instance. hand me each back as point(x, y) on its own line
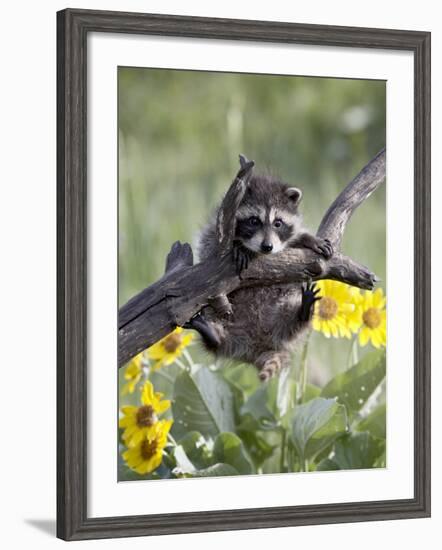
point(172, 343)
point(328, 308)
point(372, 317)
point(148, 449)
point(146, 416)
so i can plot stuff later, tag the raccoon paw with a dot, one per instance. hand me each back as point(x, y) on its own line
point(309, 297)
point(241, 257)
point(321, 246)
point(205, 329)
point(326, 249)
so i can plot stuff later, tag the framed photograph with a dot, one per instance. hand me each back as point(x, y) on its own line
point(240, 203)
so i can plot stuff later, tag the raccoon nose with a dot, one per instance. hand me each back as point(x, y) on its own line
point(266, 247)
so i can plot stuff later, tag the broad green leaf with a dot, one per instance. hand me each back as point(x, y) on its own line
point(260, 410)
point(163, 379)
point(326, 465)
point(244, 377)
point(195, 447)
point(229, 449)
point(311, 391)
point(374, 423)
point(216, 470)
point(381, 461)
point(316, 424)
point(183, 464)
point(272, 464)
point(257, 446)
point(355, 451)
point(354, 386)
point(202, 403)
point(185, 468)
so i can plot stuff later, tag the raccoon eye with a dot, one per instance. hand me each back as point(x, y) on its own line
point(277, 223)
point(254, 221)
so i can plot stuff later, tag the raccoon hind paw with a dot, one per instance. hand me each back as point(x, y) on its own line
point(309, 298)
point(208, 333)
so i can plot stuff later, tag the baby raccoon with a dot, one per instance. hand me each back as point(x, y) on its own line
point(265, 322)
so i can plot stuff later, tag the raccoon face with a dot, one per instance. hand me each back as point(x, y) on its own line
point(268, 228)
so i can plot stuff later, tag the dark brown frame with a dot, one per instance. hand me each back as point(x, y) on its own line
point(73, 27)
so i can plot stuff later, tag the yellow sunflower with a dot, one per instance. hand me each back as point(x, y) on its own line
point(370, 308)
point(138, 421)
point(133, 373)
point(169, 348)
point(333, 312)
point(147, 454)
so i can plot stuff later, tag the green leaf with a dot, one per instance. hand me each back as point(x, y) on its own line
point(216, 470)
point(354, 386)
point(258, 448)
point(229, 449)
point(316, 425)
point(357, 451)
point(259, 411)
point(163, 379)
point(311, 391)
point(374, 423)
point(183, 464)
point(195, 447)
point(326, 465)
point(202, 403)
point(185, 468)
point(244, 377)
point(381, 461)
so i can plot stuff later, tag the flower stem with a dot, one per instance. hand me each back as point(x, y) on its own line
point(182, 365)
point(188, 358)
point(303, 371)
point(290, 457)
point(355, 351)
point(172, 439)
point(352, 354)
point(283, 447)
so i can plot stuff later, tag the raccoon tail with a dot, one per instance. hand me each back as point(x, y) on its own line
point(270, 364)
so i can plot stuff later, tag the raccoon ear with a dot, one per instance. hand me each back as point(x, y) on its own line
point(294, 194)
point(243, 160)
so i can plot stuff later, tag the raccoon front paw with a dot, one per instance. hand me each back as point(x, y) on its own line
point(241, 257)
point(323, 247)
point(309, 297)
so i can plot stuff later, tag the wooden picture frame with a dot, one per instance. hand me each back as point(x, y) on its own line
point(73, 27)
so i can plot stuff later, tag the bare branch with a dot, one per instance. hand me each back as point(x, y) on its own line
point(225, 226)
point(186, 288)
point(360, 188)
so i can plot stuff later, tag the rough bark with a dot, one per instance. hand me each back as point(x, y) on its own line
point(186, 288)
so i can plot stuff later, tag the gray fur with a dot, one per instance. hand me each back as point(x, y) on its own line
point(266, 322)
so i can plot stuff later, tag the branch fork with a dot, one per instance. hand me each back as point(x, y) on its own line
point(186, 288)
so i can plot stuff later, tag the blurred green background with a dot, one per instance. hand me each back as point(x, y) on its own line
point(180, 133)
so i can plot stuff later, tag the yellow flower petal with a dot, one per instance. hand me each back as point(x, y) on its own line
point(364, 336)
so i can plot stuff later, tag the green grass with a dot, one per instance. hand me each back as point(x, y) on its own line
point(180, 133)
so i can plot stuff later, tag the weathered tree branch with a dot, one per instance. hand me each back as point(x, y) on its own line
point(186, 288)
